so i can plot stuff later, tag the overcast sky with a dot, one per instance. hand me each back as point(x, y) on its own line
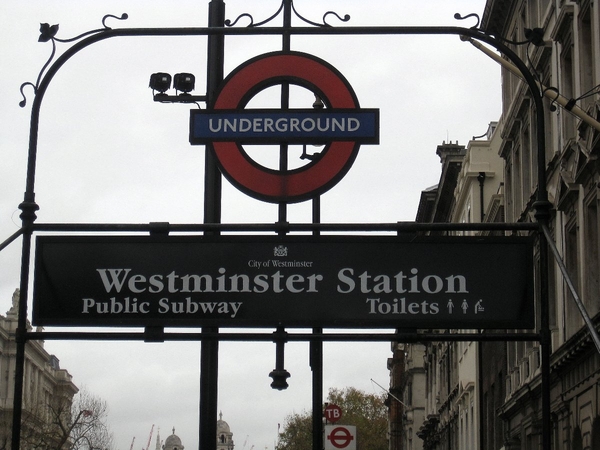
point(108, 153)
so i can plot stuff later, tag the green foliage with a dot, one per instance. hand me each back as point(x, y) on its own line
point(365, 411)
point(297, 432)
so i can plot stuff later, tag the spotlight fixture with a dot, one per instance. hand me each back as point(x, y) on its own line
point(184, 82)
point(160, 82)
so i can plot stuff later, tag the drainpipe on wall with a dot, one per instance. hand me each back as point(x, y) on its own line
point(481, 179)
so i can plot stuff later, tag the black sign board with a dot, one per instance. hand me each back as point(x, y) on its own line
point(294, 281)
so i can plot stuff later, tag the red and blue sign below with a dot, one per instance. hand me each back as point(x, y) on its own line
point(342, 126)
point(339, 437)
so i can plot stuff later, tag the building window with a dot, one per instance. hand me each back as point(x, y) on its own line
point(567, 88)
point(572, 319)
point(526, 164)
point(544, 7)
point(586, 66)
point(517, 186)
point(592, 275)
point(508, 80)
point(544, 71)
point(519, 35)
point(533, 13)
point(508, 191)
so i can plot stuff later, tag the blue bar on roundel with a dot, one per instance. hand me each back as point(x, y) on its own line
point(293, 126)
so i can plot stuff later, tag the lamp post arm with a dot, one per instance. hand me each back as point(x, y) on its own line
point(547, 92)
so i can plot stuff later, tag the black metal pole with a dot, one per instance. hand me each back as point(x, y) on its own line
point(285, 102)
point(209, 353)
point(481, 179)
point(28, 216)
point(406, 336)
point(279, 374)
point(542, 214)
point(542, 208)
point(216, 55)
point(316, 365)
point(545, 344)
point(209, 372)
point(316, 361)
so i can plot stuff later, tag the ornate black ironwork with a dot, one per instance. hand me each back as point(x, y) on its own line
point(346, 18)
point(48, 33)
point(229, 23)
point(541, 205)
point(458, 16)
point(534, 37)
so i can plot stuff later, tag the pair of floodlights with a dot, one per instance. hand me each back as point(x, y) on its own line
point(183, 83)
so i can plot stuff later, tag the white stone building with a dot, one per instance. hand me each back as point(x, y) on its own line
point(502, 387)
point(172, 442)
point(224, 438)
point(44, 384)
point(224, 435)
point(470, 184)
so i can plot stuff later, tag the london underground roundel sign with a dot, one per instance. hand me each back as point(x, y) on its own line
point(342, 126)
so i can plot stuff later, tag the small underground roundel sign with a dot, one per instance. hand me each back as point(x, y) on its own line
point(341, 126)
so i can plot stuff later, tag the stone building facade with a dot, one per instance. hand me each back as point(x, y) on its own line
point(448, 379)
point(566, 60)
point(172, 442)
point(496, 404)
point(224, 438)
point(45, 383)
point(224, 435)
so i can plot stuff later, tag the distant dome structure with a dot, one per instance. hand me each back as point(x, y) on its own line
point(224, 438)
point(173, 442)
point(224, 435)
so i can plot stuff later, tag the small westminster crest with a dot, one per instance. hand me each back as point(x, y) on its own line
point(280, 250)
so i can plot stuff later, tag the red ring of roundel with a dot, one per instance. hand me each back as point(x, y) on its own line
point(312, 179)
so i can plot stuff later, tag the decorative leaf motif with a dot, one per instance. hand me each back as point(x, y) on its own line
point(47, 32)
